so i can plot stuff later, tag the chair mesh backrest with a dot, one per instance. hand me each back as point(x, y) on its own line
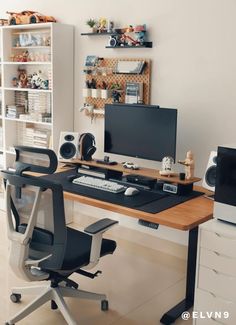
point(45, 198)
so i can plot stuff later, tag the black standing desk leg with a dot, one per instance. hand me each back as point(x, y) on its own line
point(175, 312)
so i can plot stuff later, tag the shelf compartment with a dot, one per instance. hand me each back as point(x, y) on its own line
point(28, 107)
point(12, 71)
point(29, 134)
point(99, 34)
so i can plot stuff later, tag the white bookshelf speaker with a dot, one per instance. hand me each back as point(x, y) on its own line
point(68, 145)
point(209, 179)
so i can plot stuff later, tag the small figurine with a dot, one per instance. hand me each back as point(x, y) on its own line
point(110, 26)
point(14, 82)
point(167, 163)
point(116, 92)
point(116, 96)
point(22, 77)
point(39, 81)
point(25, 56)
point(87, 107)
point(102, 25)
point(189, 165)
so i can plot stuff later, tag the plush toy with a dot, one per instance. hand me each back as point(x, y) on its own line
point(39, 81)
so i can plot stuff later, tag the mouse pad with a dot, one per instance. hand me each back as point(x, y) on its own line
point(147, 201)
point(143, 197)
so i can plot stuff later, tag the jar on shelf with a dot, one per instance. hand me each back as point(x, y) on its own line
point(96, 93)
point(87, 92)
point(105, 93)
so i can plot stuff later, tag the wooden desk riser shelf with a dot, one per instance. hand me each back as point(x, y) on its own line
point(142, 171)
point(145, 78)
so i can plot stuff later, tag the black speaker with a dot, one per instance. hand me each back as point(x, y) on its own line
point(87, 146)
point(209, 180)
point(68, 145)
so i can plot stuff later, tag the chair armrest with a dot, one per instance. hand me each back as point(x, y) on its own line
point(96, 230)
point(100, 226)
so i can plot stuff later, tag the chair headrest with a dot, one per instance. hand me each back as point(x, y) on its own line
point(39, 154)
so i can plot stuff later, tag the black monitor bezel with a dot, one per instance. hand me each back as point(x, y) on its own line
point(144, 106)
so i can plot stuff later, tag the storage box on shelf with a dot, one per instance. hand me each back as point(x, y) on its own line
point(37, 89)
point(216, 273)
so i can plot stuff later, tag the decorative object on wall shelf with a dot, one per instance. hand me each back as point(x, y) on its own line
point(129, 37)
point(102, 26)
point(105, 86)
point(91, 23)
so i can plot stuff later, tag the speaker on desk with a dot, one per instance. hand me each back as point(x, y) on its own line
point(68, 145)
point(209, 179)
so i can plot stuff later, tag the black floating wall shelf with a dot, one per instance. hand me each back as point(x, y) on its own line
point(97, 34)
point(145, 45)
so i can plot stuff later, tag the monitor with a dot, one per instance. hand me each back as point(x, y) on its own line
point(142, 131)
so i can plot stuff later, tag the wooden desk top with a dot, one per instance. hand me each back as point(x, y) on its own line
point(184, 216)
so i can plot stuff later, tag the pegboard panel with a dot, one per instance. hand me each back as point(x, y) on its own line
point(121, 79)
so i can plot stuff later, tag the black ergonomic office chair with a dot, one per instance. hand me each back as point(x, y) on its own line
point(42, 247)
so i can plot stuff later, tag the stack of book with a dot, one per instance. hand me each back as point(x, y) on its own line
point(28, 135)
point(1, 164)
point(21, 98)
point(0, 102)
point(1, 138)
point(39, 106)
point(41, 138)
point(14, 111)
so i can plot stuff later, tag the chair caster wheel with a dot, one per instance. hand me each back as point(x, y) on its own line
point(104, 305)
point(15, 297)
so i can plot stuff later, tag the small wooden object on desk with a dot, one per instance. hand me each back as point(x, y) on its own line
point(189, 165)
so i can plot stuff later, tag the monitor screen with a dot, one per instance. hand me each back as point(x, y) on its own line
point(142, 131)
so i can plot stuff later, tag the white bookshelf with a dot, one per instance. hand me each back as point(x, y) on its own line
point(55, 60)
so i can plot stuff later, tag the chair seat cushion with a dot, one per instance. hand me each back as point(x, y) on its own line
point(78, 245)
point(78, 249)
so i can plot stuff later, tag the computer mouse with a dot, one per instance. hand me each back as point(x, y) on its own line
point(131, 191)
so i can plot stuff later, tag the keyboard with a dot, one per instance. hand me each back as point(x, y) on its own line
point(100, 184)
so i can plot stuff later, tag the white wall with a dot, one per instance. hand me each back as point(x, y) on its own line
point(194, 62)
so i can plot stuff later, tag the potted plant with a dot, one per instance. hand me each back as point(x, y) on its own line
point(105, 93)
point(92, 25)
point(87, 91)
